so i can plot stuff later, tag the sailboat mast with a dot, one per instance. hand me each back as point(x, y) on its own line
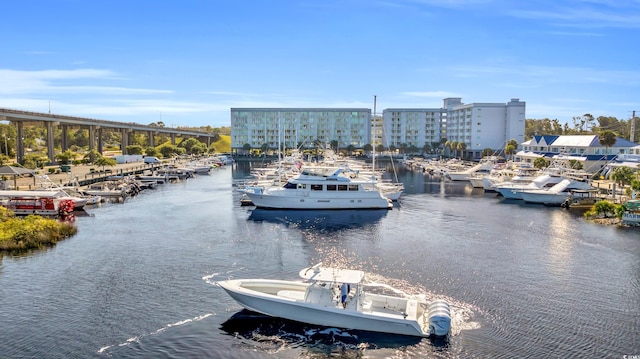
point(373, 136)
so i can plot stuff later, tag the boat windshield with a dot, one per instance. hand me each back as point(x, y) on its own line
point(289, 185)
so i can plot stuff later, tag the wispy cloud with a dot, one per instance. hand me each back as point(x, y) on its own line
point(49, 82)
point(581, 13)
point(551, 74)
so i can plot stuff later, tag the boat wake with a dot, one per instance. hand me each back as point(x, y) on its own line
point(137, 339)
point(273, 335)
point(462, 314)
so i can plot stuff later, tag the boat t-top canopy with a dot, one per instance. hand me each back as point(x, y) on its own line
point(324, 274)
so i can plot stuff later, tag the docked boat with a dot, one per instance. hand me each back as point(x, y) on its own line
point(43, 203)
point(319, 299)
point(483, 167)
point(556, 195)
point(513, 190)
point(320, 188)
point(57, 194)
point(582, 198)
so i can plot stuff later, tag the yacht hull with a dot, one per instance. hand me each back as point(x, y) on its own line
point(303, 200)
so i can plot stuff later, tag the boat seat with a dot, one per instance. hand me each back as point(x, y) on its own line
point(366, 305)
point(291, 294)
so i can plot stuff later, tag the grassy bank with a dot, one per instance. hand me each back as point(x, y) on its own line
point(32, 232)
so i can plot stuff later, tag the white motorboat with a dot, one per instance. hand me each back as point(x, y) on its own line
point(513, 190)
point(320, 188)
point(317, 300)
point(556, 195)
point(483, 167)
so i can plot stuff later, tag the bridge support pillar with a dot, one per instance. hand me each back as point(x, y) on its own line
point(173, 139)
point(100, 144)
point(19, 143)
point(92, 138)
point(151, 141)
point(125, 141)
point(51, 152)
point(65, 138)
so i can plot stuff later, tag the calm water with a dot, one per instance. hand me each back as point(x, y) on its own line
point(138, 279)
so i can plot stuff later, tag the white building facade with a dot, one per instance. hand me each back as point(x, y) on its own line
point(484, 125)
point(478, 125)
point(583, 148)
point(413, 127)
point(295, 127)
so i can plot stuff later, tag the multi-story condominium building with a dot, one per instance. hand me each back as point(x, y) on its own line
point(484, 125)
point(413, 127)
point(478, 125)
point(293, 127)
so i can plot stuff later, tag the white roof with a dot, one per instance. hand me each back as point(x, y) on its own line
point(574, 141)
point(324, 274)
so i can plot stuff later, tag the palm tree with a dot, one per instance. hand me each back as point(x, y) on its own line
point(462, 147)
point(607, 138)
point(509, 150)
point(453, 145)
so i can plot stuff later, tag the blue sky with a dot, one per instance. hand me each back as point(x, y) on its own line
point(188, 62)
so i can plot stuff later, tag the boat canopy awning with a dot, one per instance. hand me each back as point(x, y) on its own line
point(336, 275)
point(569, 158)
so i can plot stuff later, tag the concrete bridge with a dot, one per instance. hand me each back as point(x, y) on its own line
point(95, 127)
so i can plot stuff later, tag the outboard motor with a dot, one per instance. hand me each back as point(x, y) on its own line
point(439, 318)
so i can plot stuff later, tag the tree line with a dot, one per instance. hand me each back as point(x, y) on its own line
point(586, 124)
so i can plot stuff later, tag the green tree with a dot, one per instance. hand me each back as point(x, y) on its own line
point(246, 147)
point(134, 149)
point(540, 162)
point(65, 157)
point(367, 148)
point(105, 161)
point(607, 138)
point(334, 145)
point(601, 209)
point(167, 150)
point(4, 159)
point(91, 156)
point(623, 175)
point(509, 150)
point(350, 149)
point(461, 147)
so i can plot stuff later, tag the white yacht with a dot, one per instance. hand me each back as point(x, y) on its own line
point(513, 190)
point(318, 300)
point(556, 195)
point(483, 167)
point(320, 188)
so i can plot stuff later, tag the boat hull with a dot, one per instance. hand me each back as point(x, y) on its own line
point(549, 199)
point(331, 315)
point(304, 201)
